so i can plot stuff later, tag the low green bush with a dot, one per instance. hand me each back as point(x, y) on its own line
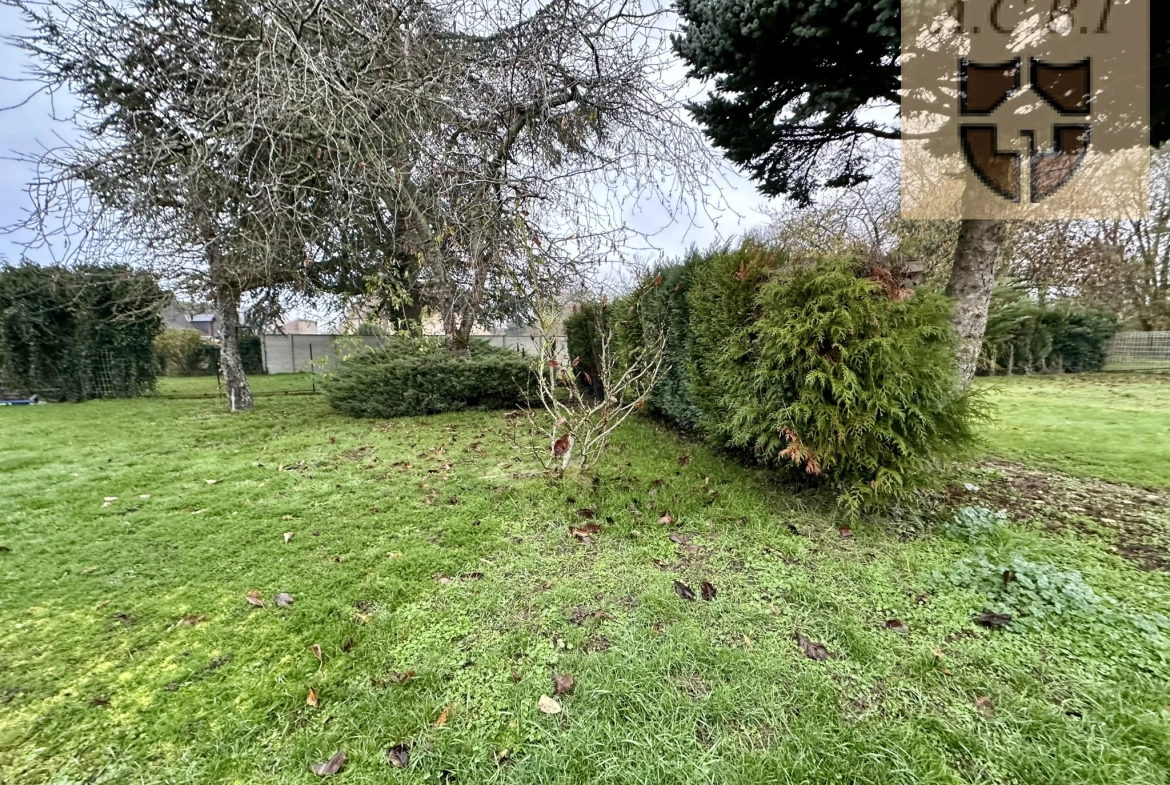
point(416, 377)
point(187, 353)
point(1025, 336)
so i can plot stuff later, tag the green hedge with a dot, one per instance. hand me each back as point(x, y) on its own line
point(415, 377)
point(822, 368)
point(78, 333)
point(1025, 336)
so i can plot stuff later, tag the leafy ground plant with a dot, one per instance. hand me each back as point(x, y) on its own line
point(439, 593)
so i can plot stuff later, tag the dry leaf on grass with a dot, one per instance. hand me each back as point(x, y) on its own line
point(399, 756)
point(583, 533)
point(548, 705)
point(986, 706)
point(989, 619)
point(813, 650)
point(330, 767)
point(563, 683)
point(845, 532)
point(253, 598)
point(402, 678)
point(684, 591)
point(897, 625)
point(311, 698)
point(284, 599)
point(211, 482)
point(443, 715)
point(666, 518)
point(191, 621)
point(316, 649)
point(683, 460)
point(287, 536)
point(708, 591)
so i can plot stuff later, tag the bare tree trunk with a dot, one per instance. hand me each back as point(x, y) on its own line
point(227, 306)
point(972, 277)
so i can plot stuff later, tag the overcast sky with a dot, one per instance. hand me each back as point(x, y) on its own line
point(31, 127)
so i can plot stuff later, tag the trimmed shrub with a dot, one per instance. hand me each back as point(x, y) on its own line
point(187, 353)
point(415, 377)
point(851, 380)
point(823, 368)
point(1025, 336)
point(78, 333)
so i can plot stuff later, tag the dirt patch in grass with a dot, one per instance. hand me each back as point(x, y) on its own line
point(1135, 520)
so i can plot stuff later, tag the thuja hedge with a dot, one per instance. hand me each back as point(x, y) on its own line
point(419, 376)
point(823, 368)
point(1024, 336)
point(78, 333)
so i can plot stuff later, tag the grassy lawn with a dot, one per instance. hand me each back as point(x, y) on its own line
point(1106, 425)
point(261, 384)
point(439, 579)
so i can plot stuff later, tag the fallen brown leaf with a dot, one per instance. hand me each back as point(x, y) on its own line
point(684, 591)
point(986, 706)
point(683, 460)
point(812, 650)
point(287, 536)
point(897, 625)
point(253, 598)
point(708, 591)
point(586, 513)
point(563, 683)
point(191, 621)
point(584, 532)
point(316, 649)
point(443, 715)
point(666, 518)
point(399, 756)
point(284, 599)
point(989, 619)
point(311, 698)
point(548, 705)
point(845, 532)
point(330, 767)
point(679, 539)
point(402, 678)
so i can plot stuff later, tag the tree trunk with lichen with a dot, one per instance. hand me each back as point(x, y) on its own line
point(970, 284)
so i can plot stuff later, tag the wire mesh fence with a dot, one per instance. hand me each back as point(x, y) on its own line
point(1138, 351)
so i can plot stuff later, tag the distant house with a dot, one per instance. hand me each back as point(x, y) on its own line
point(300, 327)
point(205, 323)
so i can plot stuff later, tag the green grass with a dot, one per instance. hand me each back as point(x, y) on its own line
point(262, 385)
point(484, 594)
point(1112, 426)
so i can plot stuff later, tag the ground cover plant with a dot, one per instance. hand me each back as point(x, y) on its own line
point(192, 596)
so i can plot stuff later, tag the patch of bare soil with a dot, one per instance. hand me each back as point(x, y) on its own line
point(1136, 520)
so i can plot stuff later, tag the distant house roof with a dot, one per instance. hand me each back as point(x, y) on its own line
point(203, 317)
